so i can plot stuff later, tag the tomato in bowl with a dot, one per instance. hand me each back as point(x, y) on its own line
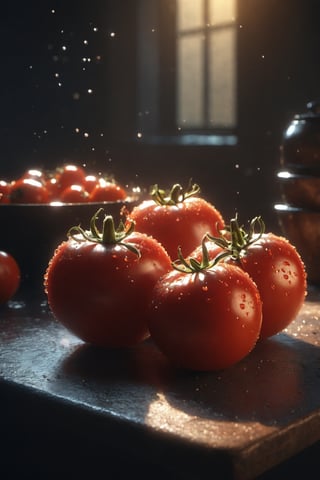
point(31, 232)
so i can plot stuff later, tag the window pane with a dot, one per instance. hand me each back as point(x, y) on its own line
point(190, 81)
point(221, 11)
point(189, 14)
point(222, 73)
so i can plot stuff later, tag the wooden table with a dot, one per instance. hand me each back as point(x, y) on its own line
point(64, 401)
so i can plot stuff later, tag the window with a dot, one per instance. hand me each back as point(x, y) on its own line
point(206, 64)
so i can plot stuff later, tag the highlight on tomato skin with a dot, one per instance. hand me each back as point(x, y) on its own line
point(69, 174)
point(28, 190)
point(67, 183)
point(178, 217)
point(205, 317)
point(273, 263)
point(74, 194)
point(5, 191)
point(107, 191)
point(99, 282)
point(279, 272)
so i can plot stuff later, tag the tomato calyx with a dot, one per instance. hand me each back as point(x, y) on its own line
point(192, 265)
point(108, 235)
point(176, 195)
point(234, 239)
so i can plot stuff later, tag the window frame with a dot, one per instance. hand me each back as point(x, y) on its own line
point(161, 127)
point(207, 31)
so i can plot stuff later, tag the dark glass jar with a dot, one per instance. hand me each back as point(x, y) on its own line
point(299, 181)
point(300, 149)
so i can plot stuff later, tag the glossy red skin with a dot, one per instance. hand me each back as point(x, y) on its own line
point(36, 174)
point(28, 190)
point(70, 175)
point(4, 191)
point(206, 321)
point(74, 194)
point(279, 273)
point(90, 182)
point(182, 225)
point(53, 189)
point(107, 192)
point(100, 293)
point(9, 277)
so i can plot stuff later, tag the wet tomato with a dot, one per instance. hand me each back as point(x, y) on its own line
point(90, 182)
point(53, 189)
point(205, 318)
point(74, 194)
point(177, 218)
point(28, 190)
point(99, 284)
point(107, 191)
point(70, 175)
point(275, 266)
point(35, 174)
point(9, 276)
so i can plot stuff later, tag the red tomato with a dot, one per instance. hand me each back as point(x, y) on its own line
point(70, 175)
point(28, 190)
point(90, 182)
point(4, 191)
point(74, 194)
point(53, 189)
point(107, 191)
point(9, 276)
point(36, 174)
point(99, 284)
point(275, 266)
point(179, 219)
point(208, 319)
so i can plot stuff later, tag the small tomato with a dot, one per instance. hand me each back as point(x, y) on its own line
point(74, 194)
point(107, 191)
point(9, 276)
point(28, 190)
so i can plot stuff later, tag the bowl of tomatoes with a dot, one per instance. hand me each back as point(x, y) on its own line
point(38, 209)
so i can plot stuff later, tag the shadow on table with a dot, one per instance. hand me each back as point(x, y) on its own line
point(278, 382)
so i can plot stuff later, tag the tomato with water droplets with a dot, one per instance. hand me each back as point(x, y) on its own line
point(275, 266)
point(177, 218)
point(99, 284)
point(207, 319)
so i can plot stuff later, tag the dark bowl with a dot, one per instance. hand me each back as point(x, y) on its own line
point(31, 233)
point(300, 190)
point(302, 228)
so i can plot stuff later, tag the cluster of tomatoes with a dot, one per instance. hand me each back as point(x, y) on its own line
point(67, 184)
point(205, 292)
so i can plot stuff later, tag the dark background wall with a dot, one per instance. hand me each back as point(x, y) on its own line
point(44, 124)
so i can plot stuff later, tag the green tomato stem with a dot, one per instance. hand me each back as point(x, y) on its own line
point(235, 240)
point(176, 195)
point(109, 234)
